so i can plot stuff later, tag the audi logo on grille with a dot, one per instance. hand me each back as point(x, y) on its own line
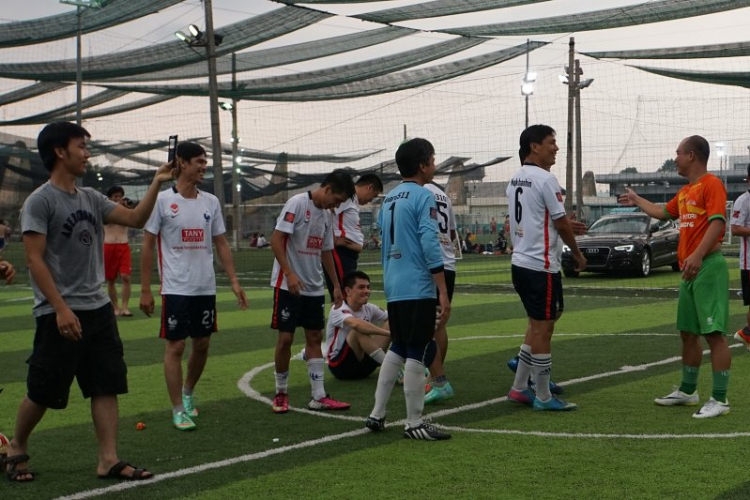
point(592, 250)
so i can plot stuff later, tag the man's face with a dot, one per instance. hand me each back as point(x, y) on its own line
point(367, 194)
point(359, 294)
point(545, 153)
point(682, 158)
point(117, 197)
point(330, 200)
point(194, 170)
point(75, 156)
point(429, 169)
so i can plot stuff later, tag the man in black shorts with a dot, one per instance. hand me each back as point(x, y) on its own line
point(76, 331)
point(355, 343)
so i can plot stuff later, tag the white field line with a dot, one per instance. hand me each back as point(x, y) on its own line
point(244, 385)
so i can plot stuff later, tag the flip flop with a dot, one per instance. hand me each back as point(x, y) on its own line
point(127, 314)
point(115, 472)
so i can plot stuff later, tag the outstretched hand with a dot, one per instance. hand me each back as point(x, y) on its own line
point(628, 198)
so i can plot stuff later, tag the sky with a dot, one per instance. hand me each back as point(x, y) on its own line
point(629, 118)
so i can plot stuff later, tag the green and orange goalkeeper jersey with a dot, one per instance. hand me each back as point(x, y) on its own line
point(697, 205)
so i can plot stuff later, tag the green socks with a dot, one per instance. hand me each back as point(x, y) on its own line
point(721, 382)
point(690, 379)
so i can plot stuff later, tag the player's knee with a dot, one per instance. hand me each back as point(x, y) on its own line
point(125, 279)
point(46, 388)
point(285, 340)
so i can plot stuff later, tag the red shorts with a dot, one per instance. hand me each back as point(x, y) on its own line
point(116, 260)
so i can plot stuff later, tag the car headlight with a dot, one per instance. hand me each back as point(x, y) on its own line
point(566, 249)
point(625, 248)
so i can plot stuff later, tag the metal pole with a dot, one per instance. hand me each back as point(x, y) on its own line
point(213, 95)
point(579, 170)
point(235, 164)
point(571, 99)
point(528, 44)
point(79, 75)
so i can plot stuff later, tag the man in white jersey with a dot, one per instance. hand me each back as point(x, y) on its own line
point(537, 221)
point(439, 389)
point(348, 239)
point(355, 344)
point(741, 227)
point(183, 227)
point(302, 243)
point(76, 333)
point(117, 261)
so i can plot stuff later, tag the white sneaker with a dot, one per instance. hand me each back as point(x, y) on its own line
point(712, 408)
point(678, 398)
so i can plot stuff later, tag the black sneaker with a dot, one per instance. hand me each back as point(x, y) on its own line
point(375, 424)
point(425, 432)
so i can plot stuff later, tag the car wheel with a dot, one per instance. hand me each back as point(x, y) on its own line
point(645, 268)
point(676, 267)
point(571, 273)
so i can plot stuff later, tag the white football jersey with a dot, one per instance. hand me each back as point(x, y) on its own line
point(741, 217)
point(336, 330)
point(184, 229)
point(446, 223)
point(534, 202)
point(347, 221)
point(309, 231)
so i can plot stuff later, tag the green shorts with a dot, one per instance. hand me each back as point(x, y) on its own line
point(703, 307)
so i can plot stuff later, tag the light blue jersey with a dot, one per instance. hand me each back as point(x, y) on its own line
point(410, 245)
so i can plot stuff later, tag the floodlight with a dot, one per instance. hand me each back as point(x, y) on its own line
point(527, 89)
point(239, 170)
point(585, 83)
point(195, 31)
point(530, 77)
point(563, 79)
point(237, 160)
point(239, 187)
point(226, 106)
point(182, 36)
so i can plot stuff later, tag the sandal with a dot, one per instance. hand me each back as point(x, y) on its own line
point(12, 471)
point(115, 472)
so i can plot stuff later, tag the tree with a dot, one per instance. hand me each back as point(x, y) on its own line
point(629, 170)
point(668, 166)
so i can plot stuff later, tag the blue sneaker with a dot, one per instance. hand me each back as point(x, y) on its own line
point(524, 397)
point(439, 393)
point(554, 404)
point(553, 387)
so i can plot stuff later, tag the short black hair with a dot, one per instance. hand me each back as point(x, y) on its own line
point(412, 154)
point(57, 135)
point(699, 146)
point(534, 134)
point(115, 189)
point(340, 182)
point(189, 150)
point(371, 180)
point(352, 276)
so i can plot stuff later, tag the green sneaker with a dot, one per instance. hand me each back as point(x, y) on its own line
point(439, 393)
point(182, 421)
point(189, 403)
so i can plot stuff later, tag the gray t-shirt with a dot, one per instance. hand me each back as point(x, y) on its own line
point(75, 238)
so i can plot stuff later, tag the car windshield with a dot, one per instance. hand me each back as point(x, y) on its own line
point(630, 225)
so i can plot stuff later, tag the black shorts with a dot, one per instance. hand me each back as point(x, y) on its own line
point(96, 360)
point(291, 311)
point(412, 322)
point(745, 278)
point(450, 283)
point(344, 261)
point(346, 366)
point(184, 316)
point(540, 292)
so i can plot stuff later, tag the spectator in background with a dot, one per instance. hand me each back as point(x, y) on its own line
point(493, 226)
point(117, 260)
point(254, 240)
point(262, 243)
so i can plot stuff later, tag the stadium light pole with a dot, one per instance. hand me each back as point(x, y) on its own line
point(210, 40)
point(236, 186)
point(569, 143)
point(579, 150)
point(527, 84)
point(80, 4)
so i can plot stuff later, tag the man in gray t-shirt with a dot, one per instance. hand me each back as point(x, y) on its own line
point(76, 332)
